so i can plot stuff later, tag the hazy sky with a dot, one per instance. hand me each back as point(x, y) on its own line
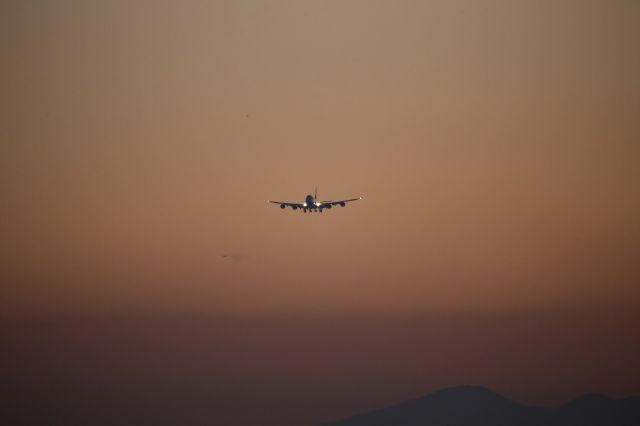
point(495, 143)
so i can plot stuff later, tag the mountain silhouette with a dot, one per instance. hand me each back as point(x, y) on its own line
point(477, 406)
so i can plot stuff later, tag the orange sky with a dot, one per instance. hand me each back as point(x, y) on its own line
point(495, 143)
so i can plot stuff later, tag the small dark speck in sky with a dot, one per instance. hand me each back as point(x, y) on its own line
point(229, 257)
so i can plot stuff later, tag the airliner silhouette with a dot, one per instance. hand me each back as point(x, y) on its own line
point(312, 204)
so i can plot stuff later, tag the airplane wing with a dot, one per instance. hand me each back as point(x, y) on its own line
point(341, 203)
point(284, 204)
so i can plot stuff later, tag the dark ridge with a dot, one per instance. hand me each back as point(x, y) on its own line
point(595, 409)
point(589, 399)
point(477, 406)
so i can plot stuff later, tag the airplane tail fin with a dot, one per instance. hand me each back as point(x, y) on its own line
point(315, 194)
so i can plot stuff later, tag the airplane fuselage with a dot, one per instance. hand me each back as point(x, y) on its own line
point(310, 202)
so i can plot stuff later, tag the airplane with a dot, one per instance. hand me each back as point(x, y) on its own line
point(311, 203)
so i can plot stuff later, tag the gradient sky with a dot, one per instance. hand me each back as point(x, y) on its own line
point(496, 145)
